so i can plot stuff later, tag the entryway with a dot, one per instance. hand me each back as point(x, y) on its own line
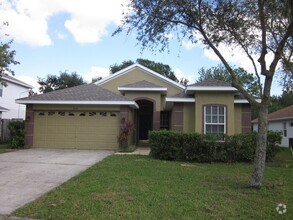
point(144, 118)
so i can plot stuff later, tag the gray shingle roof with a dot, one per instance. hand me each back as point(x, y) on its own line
point(211, 82)
point(182, 95)
point(142, 84)
point(86, 92)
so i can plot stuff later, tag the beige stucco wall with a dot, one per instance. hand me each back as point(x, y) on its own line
point(238, 118)
point(216, 98)
point(156, 96)
point(188, 117)
point(78, 107)
point(137, 75)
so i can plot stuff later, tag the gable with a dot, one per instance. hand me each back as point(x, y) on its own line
point(137, 73)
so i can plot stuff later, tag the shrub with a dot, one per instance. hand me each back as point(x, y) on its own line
point(174, 145)
point(124, 133)
point(16, 129)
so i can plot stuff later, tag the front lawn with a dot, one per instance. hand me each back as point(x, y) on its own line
point(4, 148)
point(138, 187)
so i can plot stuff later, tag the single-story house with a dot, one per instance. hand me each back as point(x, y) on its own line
point(281, 120)
point(90, 116)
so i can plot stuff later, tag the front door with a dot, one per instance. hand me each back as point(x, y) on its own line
point(145, 125)
point(145, 118)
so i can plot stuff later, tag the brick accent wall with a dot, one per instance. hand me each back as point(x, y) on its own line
point(29, 126)
point(177, 117)
point(246, 118)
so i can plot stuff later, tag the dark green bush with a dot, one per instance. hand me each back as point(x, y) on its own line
point(174, 145)
point(16, 129)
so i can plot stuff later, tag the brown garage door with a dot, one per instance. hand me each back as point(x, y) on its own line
point(76, 129)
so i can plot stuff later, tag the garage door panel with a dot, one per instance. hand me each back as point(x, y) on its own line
point(87, 130)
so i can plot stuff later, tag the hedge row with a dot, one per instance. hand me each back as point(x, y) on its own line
point(174, 145)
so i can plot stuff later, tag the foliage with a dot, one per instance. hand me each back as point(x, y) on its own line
point(6, 56)
point(282, 101)
point(139, 187)
point(117, 67)
point(247, 80)
point(286, 79)
point(124, 134)
point(158, 67)
point(262, 30)
point(174, 145)
point(64, 80)
point(16, 129)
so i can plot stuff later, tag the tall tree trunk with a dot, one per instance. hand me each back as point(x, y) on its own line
point(261, 148)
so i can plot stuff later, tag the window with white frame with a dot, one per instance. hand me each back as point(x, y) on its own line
point(214, 119)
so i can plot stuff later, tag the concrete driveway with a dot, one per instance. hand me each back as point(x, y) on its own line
point(27, 174)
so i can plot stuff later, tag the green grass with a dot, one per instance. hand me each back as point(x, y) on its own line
point(138, 187)
point(4, 148)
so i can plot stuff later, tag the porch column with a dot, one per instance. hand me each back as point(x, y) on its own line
point(177, 117)
point(29, 126)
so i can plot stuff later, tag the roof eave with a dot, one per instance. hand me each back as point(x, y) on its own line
point(173, 99)
point(127, 69)
point(17, 82)
point(191, 89)
point(132, 104)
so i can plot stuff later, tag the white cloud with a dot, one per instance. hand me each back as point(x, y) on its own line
point(60, 35)
point(179, 74)
point(31, 81)
point(95, 72)
point(87, 22)
point(188, 45)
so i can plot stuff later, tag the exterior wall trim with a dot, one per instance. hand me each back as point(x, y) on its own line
point(133, 104)
point(142, 89)
point(145, 69)
point(170, 99)
point(226, 118)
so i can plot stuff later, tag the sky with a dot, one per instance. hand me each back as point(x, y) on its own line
point(50, 36)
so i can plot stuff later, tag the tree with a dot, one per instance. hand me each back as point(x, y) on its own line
point(6, 57)
point(258, 28)
point(287, 76)
point(282, 101)
point(117, 67)
point(64, 80)
point(247, 80)
point(158, 67)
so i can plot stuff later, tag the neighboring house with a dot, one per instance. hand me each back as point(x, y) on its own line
point(13, 90)
point(90, 116)
point(281, 120)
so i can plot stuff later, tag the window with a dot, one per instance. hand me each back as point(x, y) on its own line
point(61, 113)
point(291, 124)
point(285, 129)
point(113, 114)
point(214, 119)
point(91, 114)
point(70, 114)
point(51, 113)
point(164, 120)
point(103, 114)
point(1, 89)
